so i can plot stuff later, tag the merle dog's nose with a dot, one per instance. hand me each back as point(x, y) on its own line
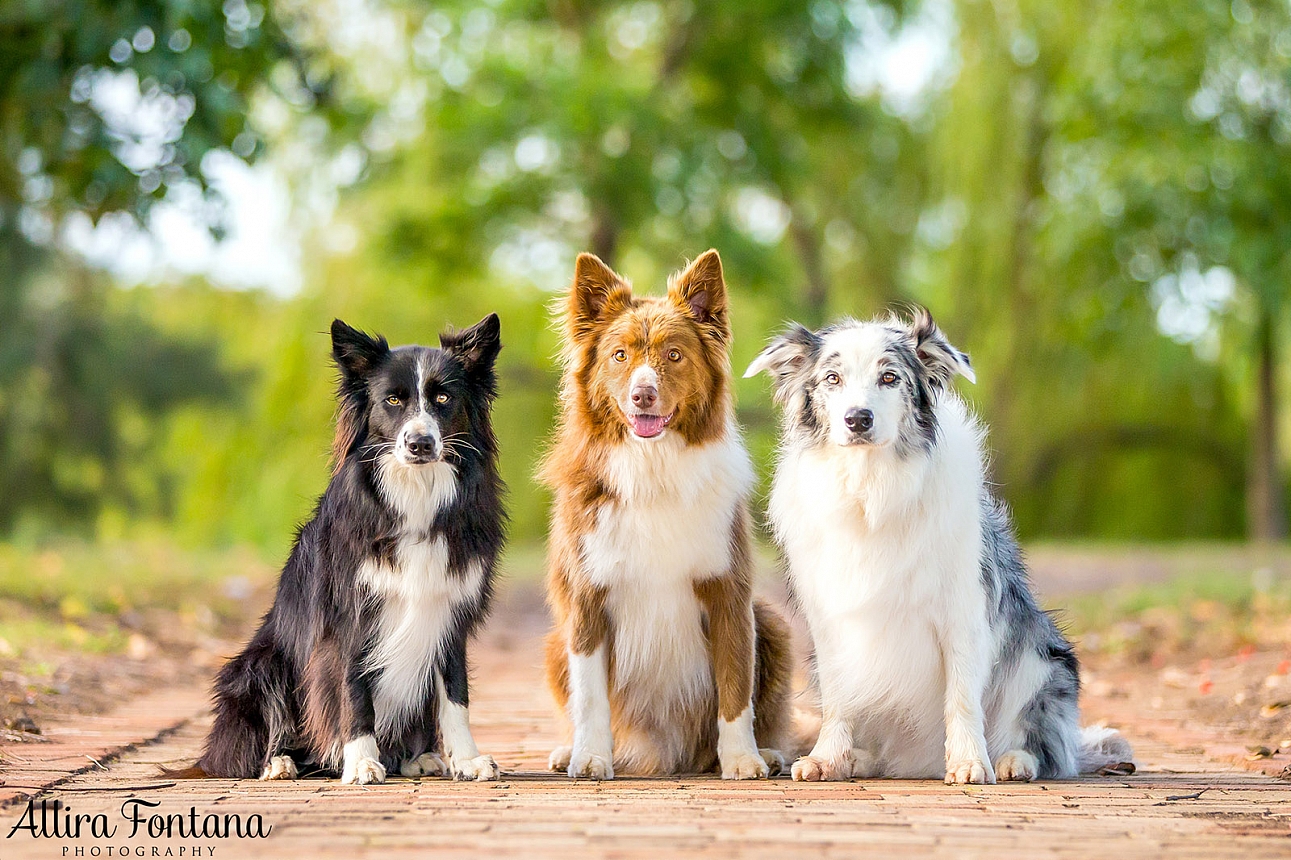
point(858, 420)
point(644, 396)
point(422, 446)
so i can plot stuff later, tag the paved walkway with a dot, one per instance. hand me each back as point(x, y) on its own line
point(1181, 803)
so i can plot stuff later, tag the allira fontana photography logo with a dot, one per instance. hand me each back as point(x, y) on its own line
point(136, 828)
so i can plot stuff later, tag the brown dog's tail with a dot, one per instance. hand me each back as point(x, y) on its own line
point(803, 731)
point(772, 675)
point(190, 772)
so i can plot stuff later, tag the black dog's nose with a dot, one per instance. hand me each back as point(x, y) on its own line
point(859, 420)
point(644, 396)
point(422, 446)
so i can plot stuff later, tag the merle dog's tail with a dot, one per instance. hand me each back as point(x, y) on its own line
point(1101, 748)
point(252, 703)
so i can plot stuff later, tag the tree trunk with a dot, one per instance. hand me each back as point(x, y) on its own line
point(1266, 516)
point(605, 236)
point(814, 301)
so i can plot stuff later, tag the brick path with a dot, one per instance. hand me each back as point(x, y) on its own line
point(1180, 804)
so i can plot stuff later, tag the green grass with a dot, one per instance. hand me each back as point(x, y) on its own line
point(1210, 614)
point(86, 597)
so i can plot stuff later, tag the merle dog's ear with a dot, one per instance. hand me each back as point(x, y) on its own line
point(476, 347)
point(596, 292)
point(941, 359)
point(700, 290)
point(786, 356)
point(356, 353)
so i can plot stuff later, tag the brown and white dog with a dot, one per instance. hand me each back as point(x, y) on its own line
point(660, 656)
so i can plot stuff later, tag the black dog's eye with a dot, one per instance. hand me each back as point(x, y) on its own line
point(889, 378)
point(620, 355)
point(393, 400)
point(832, 378)
point(441, 398)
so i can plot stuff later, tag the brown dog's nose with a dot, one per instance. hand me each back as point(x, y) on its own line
point(644, 396)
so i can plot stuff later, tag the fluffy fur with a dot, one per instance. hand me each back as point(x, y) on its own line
point(932, 656)
point(359, 667)
point(660, 656)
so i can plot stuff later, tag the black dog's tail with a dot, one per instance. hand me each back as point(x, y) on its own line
point(252, 713)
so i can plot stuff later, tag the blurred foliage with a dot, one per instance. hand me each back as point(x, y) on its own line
point(1197, 615)
point(94, 597)
point(104, 109)
point(1053, 196)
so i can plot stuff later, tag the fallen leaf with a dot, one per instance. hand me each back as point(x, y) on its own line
point(1259, 752)
point(1122, 768)
point(1206, 686)
point(1272, 708)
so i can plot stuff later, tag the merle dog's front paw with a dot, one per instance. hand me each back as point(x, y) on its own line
point(970, 771)
point(812, 768)
point(1016, 766)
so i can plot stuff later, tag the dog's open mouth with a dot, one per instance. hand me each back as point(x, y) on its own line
point(649, 426)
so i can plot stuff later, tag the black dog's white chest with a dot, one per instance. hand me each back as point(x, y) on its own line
point(418, 601)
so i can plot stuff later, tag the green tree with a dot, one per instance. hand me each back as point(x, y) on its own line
point(104, 107)
point(1092, 410)
point(1181, 112)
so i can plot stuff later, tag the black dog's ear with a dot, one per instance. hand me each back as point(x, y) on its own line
point(476, 347)
point(356, 353)
point(787, 355)
point(941, 359)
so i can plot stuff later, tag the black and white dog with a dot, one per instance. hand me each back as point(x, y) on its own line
point(360, 665)
point(932, 657)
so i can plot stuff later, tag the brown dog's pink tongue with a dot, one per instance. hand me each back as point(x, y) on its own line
point(646, 426)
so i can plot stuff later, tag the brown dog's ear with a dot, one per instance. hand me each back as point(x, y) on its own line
point(597, 289)
point(700, 290)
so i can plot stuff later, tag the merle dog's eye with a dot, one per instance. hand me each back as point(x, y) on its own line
point(674, 355)
point(889, 378)
point(832, 378)
point(620, 355)
point(393, 400)
point(441, 398)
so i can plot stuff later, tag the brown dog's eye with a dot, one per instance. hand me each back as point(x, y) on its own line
point(620, 355)
point(441, 398)
point(832, 378)
point(888, 378)
point(674, 355)
point(393, 401)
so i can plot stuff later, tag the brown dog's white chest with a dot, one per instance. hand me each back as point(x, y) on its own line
point(669, 526)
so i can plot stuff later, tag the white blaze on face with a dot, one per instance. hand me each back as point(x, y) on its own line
point(643, 376)
point(420, 422)
point(647, 421)
point(859, 357)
